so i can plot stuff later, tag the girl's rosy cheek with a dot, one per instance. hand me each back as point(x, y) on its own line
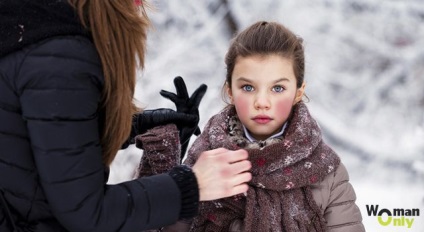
point(242, 106)
point(284, 107)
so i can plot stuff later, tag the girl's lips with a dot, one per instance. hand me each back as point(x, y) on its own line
point(262, 119)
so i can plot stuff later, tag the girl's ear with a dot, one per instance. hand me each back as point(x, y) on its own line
point(229, 92)
point(299, 93)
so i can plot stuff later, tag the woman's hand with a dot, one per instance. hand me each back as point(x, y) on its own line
point(149, 119)
point(222, 173)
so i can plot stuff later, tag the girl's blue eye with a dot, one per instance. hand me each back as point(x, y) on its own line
point(247, 88)
point(278, 89)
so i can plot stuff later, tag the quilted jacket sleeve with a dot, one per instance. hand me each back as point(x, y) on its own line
point(336, 197)
point(60, 92)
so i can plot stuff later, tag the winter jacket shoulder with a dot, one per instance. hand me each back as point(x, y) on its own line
point(336, 198)
point(50, 94)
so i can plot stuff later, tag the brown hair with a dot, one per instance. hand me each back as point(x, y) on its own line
point(119, 32)
point(266, 38)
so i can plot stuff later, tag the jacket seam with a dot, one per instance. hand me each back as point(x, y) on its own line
point(148, 201)
point(341, 203)
point(339, 184)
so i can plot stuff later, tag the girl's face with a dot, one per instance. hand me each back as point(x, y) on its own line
point(263, 90)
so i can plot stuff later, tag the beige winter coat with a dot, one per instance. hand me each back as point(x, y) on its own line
point(336, 198)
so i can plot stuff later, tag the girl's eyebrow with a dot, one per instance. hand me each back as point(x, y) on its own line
point(276, 81)
point(244, 79)
point(282, 79)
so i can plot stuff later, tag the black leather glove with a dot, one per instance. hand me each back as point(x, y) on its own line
point(152, 118)
point(187, 105)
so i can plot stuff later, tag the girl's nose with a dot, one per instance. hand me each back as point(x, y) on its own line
point(262, 102)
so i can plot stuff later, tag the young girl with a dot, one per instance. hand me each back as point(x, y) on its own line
point(299, 182)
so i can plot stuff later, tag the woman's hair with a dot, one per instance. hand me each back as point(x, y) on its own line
point(119, 31)
point(266, 38)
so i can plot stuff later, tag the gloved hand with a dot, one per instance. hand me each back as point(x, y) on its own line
point(152, 118)
point(187, 105)
point(162, 116)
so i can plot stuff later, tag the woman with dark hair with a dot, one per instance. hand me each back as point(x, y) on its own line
point(67, 78)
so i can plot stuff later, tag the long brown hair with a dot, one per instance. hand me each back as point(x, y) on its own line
point(266, 38)
point(119, 32)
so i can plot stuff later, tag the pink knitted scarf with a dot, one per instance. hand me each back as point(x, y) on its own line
point(279, 197)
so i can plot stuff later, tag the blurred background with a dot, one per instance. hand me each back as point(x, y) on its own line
point(364, 75)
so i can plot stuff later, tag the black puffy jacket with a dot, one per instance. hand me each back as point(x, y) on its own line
point(51, 172)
